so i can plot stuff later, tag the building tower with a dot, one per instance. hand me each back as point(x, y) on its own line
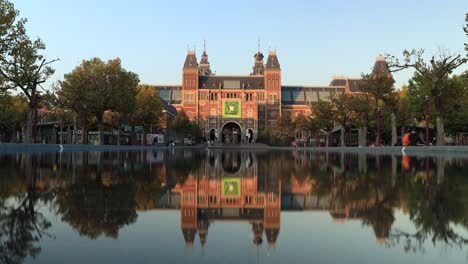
point(190, 85)
point(258, 67)
point(272, 81)
point(381, 67)
point(204, 67)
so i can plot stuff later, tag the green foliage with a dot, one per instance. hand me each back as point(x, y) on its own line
point(181, 124)
point(465, 28)
point(323, 114)
point(285, 126)
point(195, 131)
point(148, 107)
point(96, 86)
point(22, 66)
point(13, 111)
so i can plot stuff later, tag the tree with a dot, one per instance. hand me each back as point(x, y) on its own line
point(148, 109)
point(302, 124)
point(285, 126)
point(181, 124)
point(465, 28)
point(323, 114)
point(22, 66)
point(195, 131)
point(433, 76)
point(342, 113)
point(380, 85)
point(361, 105)
point(13, 111)
point(96, 86)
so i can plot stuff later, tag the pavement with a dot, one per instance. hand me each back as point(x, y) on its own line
point(413, 151)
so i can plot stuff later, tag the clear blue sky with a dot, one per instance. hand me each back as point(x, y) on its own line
point(314, 39)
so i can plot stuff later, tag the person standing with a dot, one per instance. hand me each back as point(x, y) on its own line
point(405, 141)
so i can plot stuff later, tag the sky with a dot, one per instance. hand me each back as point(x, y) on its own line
point(314, 40)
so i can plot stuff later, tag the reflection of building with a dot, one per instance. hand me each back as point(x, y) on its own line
point(234, 108)
point(228, 188)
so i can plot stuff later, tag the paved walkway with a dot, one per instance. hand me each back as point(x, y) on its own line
point(433, 150)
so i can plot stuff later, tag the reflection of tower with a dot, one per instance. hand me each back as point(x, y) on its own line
point(203, 225)
point(271, 218)
point(257, 229)
point(189, 210)
point(228, 188)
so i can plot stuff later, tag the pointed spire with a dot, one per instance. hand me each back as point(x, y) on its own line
point(258, 67)
point(204, 68)
point(258, 44)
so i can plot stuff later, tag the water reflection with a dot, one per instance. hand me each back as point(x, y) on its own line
point(99, 193)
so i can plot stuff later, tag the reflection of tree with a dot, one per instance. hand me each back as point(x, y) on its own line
point(434, 216)
point(95, 209)
point(21, 229)
point(182, 164)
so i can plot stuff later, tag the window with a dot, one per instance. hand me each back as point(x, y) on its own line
point(213, 97)
point(273, 99)
point(189, 98)
point(261, 97)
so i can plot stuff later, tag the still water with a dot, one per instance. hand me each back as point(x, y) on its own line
point(232, 207)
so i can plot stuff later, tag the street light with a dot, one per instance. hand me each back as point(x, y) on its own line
point(427, 120)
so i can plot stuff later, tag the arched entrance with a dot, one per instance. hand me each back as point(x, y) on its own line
point(231, 133)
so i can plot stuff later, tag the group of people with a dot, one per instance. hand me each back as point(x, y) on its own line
point(411, 139)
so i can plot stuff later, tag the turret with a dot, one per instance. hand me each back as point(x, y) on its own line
point(190, 60)
point(204, 67)
point(272, 61)
point(190, 85)
point(272, 89)
point(381, 67)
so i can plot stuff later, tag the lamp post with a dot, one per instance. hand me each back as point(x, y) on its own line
point(427, 120)
point(378, 126)
point(83, 133)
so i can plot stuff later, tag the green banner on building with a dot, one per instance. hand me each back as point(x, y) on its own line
point(231, 187)
point(231, 109)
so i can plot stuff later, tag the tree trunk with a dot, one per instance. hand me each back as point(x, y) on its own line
point(132, 137)
point(61, 133)
point(342, 137)
point(143, 135)
point(29, 125)
point(440, 131)
point(101, 133)
point(75, 126)
point(119, 136)
point(362, 136)
point(394, 128)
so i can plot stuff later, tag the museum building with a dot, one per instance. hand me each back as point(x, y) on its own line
point(235, 108)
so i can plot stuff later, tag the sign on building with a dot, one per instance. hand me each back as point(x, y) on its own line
point(231, 187)
point(231, 109)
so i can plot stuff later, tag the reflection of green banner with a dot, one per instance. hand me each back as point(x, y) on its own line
point(231, 109)
point(231, 187)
